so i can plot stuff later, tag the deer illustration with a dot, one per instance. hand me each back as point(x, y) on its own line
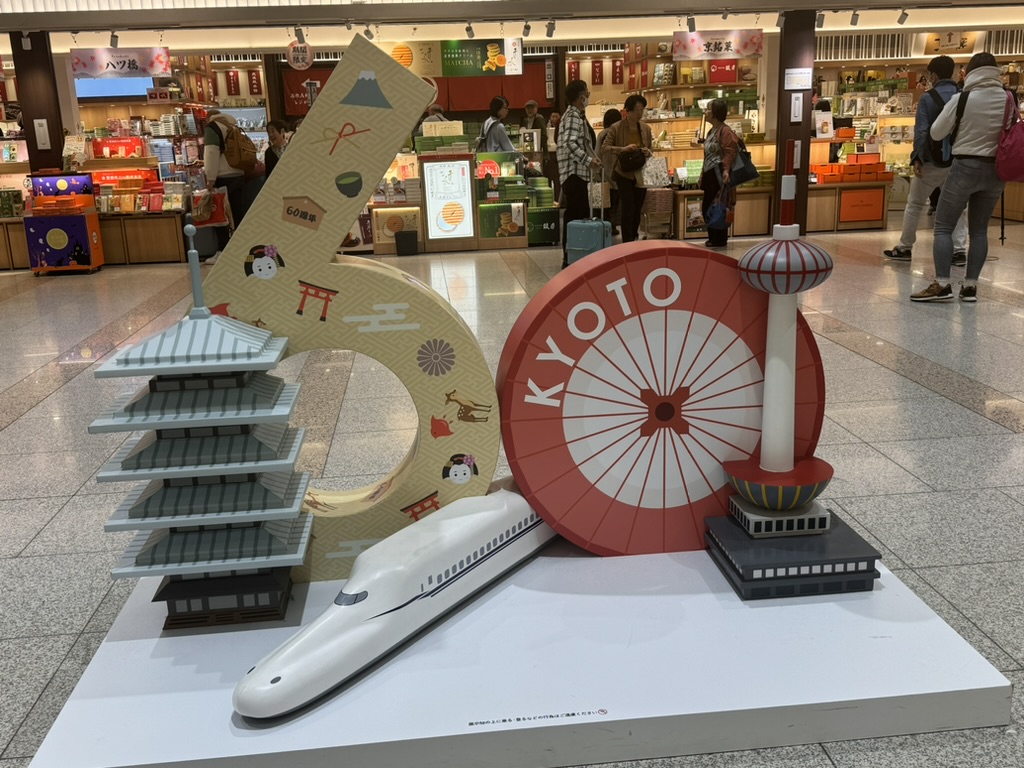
point(466, 407)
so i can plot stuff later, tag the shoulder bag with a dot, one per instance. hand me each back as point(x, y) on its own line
point(743, 169)
point(633, 159)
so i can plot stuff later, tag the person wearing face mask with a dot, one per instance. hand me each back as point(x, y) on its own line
point(626, 135)
point(576, 159)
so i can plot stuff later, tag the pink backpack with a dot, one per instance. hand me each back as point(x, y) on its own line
point(1010, 155)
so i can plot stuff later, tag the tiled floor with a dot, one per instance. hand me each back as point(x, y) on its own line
point(924, 426)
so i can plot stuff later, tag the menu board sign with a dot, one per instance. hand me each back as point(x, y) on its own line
point(449, 196)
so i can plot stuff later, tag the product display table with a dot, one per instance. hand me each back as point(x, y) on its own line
point(572, 659)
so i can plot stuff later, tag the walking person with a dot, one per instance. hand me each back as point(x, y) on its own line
point(972, 182)
point(576, 159)
point(930, 171)
point(220, 173)
point(720, 149)
point(629, 135)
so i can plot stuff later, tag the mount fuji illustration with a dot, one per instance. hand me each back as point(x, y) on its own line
point(366, 92)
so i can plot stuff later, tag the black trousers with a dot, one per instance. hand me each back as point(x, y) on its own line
point(576, 205)
point(239, 202)
point(712, 186)
point(631, 202)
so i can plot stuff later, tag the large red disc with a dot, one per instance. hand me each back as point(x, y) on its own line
point(626, 383)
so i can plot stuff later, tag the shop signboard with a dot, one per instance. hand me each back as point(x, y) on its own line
point(120, 62)
point(950, 41)
point(299, 86)
point(255, 82)
point(718, 44)
point(461, 58)
point(449, 199)
point(723, 71)
point(299, 55)
point(234, 82)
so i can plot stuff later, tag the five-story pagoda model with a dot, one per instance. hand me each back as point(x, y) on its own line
point(219, 513)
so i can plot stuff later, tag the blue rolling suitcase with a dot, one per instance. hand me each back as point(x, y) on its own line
point(584, 236)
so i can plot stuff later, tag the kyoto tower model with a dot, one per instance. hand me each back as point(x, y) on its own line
point(775, 490)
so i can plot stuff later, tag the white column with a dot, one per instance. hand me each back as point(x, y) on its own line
point(779, 385)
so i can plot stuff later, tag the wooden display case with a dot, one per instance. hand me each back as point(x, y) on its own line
point(753, 216)
point(5, 248)
point(17, 242)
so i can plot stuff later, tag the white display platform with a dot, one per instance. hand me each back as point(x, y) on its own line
point(572, 659)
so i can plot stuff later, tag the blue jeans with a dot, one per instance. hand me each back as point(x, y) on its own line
point(974, 185)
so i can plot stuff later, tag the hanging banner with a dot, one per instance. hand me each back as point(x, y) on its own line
point(120, 62)
point(200, 90)
point(3, 92)
point(643, 74)
point(617, 72)
point(574, 71)
point(461, 58)
point(301, 88)
point(723, 71)
point(234, 86)
point(597, 73)
point(255, 82)
point(631, 85)
point(214, 87)
point(299, 55)
point(719, 44)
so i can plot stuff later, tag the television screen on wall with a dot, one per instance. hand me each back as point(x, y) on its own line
point(106, 88)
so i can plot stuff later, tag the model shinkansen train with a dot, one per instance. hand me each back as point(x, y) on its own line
point(397, 587)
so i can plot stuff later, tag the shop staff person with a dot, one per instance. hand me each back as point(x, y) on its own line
point(576, 158)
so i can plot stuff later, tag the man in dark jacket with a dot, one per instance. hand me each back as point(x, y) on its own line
point(929, 172)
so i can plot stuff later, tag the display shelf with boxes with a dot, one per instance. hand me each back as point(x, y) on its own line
point(63, 234)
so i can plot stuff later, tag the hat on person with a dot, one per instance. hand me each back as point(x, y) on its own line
point(531, 103)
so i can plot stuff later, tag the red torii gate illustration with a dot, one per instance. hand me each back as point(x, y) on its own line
point(315, 291)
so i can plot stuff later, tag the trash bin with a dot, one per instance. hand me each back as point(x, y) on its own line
point(407, 243)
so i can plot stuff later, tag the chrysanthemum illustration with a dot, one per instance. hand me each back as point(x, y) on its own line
point(436, 357)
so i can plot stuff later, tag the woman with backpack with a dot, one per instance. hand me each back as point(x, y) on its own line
point(975, 118)
point(220, 150)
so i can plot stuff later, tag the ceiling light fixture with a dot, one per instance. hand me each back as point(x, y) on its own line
point(550, 31)
point(348, 25)
point(854, 19)
point(469, 30)
point(113, 39)
point(26, 42)
point(819, 20)
point(299, 36)
point(781, 19)
point(691, 22)
point(903, 18)
point(526, 29)
point(368, 32)
point(725, 14)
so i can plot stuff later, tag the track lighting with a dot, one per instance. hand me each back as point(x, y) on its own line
point(300, 38)
point(368, 32)
point(781, 19)
point(526, 29)
point(469, 30)
point(819, 20)
point(550, 31)
point(903, 18)
point(691, 22)
point(725, 14)
point(854, 18)
point(113, 39)
point(348, 25)
point(26, 42)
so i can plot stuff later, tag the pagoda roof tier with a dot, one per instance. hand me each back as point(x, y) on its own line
point(266, 448)
point(199, 345)
point(276, 544)
point(264, 399)
point(271, 496)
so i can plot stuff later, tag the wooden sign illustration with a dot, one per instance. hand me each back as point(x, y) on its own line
point(280, 268)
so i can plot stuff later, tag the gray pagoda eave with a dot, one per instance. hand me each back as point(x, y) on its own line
point(264, 400)
point(273, 496)
point(268, 448)
point(276, 544)
point(201, 343)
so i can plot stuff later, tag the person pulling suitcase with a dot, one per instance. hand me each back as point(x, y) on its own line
point(576, 159)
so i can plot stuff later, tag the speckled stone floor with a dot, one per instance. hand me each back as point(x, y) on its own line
point(924, 426)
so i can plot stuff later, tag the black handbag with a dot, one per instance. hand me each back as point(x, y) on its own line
point(632, 160)
point(743, 169)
